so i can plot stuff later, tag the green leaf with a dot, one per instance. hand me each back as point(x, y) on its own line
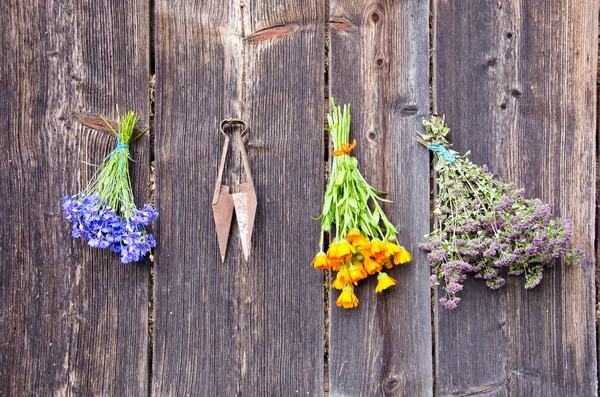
point(364, 226)
point(375, 218)
point(327, 203)
point(365, 217)
point(352, 202)
point(440, 164)
point(339, 178)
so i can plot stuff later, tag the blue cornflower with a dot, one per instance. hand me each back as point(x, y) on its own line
point(102, 227)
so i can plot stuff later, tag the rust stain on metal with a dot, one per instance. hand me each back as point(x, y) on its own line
point(223, 213)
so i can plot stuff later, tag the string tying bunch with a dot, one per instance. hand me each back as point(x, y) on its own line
point(442, 151)
point(345, 148)
point(120, 148)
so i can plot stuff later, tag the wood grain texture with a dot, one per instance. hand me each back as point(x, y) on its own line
point(516, 82)
point(73, 320)
point(240, 328)
point(379, 64)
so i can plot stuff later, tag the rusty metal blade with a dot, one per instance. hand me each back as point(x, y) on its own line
point(245, 211)
point(223, 213)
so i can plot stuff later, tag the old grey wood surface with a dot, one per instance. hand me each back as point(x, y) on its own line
point(379, 64)
point(73, 319)
point(516, 82)
point(239, 328)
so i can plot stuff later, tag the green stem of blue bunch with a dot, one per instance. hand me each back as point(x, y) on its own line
point(112, 182)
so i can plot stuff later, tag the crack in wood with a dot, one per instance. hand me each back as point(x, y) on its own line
point(341, 23)
point(272, 33)
point(94, 121)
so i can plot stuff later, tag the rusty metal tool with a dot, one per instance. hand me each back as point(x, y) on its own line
point(244, 201)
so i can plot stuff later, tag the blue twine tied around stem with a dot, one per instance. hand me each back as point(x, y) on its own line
point(442, 151)
point(120, 147)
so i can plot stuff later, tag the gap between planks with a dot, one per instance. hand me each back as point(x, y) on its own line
point(326, 143)
point(151, 181)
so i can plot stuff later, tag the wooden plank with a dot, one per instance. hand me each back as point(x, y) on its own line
point(73, 320)
point(239, 328)
point(516, 82)
point(379, 64)
point(283, 102)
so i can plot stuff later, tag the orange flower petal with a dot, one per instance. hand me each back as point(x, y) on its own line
point(384, 282)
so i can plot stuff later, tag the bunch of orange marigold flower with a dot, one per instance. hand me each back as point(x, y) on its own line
point(365, 240)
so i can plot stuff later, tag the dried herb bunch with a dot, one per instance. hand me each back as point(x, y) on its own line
point(365, 240)
point(485, 225)
point(104, 214)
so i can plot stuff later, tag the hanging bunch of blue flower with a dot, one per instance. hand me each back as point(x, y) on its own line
point(105, 214)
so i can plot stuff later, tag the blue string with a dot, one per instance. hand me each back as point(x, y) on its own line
point(442, 151)
point(120, 147)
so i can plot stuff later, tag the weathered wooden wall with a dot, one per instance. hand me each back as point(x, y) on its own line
point(73, 320)
point(516, 81)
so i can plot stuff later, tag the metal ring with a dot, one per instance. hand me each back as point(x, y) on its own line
point(234, 121)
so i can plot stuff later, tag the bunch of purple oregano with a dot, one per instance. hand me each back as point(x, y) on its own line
point(484, 225)
point(105, 214)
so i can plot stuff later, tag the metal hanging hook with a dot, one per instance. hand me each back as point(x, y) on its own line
point(231, 122)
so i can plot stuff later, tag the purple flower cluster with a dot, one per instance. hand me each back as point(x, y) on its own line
point(488, 228)
point(102, 227)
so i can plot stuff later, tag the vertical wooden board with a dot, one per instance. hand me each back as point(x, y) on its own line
point(283, 103)
point(197, 65)
point(238, 328)
point(379, 64)
point(515, 81)
point(73, 319)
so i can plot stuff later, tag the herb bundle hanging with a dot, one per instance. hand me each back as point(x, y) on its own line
point(364, 240)
point(484, 225)
point(104, 213)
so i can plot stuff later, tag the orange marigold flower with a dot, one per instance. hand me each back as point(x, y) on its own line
point(402, 257)
point(365, 251)
point(357, 272)
point(321, 262)
point(356, 238)
point(347, 299)
point(341, 279)
point(399, 254)
point(379, 250)
point(335, 263)
point(340, 250)
point(339, 282)
point(392, 247)
point(384, 282)
point(371, 265)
